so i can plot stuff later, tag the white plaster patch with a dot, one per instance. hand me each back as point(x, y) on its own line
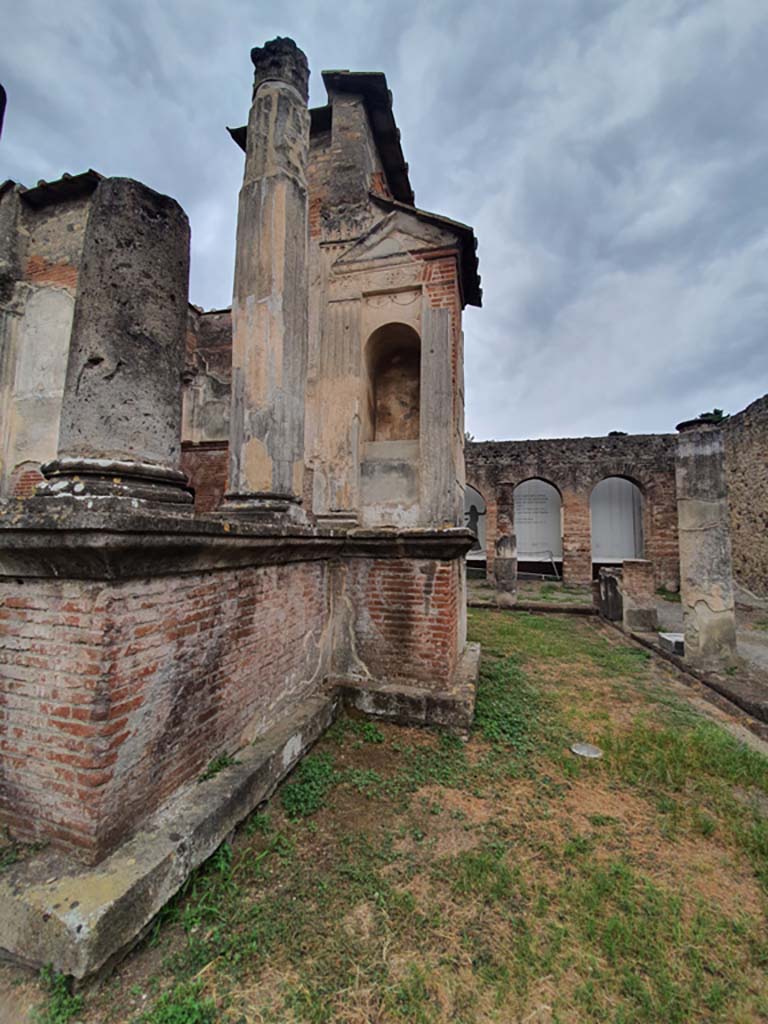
point(292, 749)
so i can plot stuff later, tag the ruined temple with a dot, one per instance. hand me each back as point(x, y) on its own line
point(218, 527)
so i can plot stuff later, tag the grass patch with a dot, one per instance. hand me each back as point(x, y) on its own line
point(218, 764)
point(672, 596)
point(509, 707)
point(61, 1005)
point(184, 1004)
point(309, 785)
point(405, 875)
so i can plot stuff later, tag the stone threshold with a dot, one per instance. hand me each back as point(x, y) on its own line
point(746, 692)
point(535, 606)
point(731, 694)
point(84, 919)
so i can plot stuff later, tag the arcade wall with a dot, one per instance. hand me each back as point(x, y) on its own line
point(575, 466)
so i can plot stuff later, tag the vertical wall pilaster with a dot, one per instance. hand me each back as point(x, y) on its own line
point(577, 537)
point(706, 583)
point(438, 473)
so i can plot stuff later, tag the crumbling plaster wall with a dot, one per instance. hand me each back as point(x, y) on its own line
point(207, 381)
point(745, 437)
point(575, 466)
point(40, 251)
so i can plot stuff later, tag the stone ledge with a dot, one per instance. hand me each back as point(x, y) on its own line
point(53, 910)
point(66, 539)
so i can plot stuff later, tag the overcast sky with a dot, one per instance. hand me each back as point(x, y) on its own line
point(612, 158)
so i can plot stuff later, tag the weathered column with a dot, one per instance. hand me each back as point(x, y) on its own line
point(271, 296)
point(120, 429)
point(706, 584)
point(505, 561)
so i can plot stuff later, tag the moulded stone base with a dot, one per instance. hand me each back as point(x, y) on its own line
point(452, 708)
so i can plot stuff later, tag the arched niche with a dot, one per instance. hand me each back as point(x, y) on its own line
point(394, 383)
point(616, 507)
point(538, 527)
point(474, 518)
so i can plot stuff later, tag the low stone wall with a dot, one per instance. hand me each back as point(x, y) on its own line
point(746, 468)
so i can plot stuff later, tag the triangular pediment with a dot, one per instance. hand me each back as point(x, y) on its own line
point(397, 234)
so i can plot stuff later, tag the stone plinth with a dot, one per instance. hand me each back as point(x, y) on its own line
point(120, 430)
point(134, 650)
point(706, 585)
point(638, 596)
point(608, 595)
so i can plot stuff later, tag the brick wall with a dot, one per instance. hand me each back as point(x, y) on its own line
point(24, 480)
point(405, 619)
point(575, 466)
point(745, 437)
point(54, 242)
point(115, 694)
point(637, 581)
point(206, 465)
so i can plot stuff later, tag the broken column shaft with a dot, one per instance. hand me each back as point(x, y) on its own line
point(271, 298)
point(706, 583)
point(120, 428)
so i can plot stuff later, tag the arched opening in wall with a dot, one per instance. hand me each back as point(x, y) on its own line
point(539, 529)
point(616, 507)
point(475, 511)
point(394, 383)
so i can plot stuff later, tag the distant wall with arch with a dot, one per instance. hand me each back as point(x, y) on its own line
point(575, 467)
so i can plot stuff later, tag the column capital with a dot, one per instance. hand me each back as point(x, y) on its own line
point(281, 60)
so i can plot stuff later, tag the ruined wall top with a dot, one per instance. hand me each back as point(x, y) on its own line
point(281, 60)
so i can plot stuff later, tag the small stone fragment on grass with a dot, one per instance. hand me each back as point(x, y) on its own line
point(586, 750)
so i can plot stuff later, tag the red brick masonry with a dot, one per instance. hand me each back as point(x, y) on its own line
point(114, 693)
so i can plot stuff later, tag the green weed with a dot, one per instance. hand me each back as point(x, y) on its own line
point(217, 765)
point(61, 1006)
point(184, 1004)
point(309, 785)
point(509, 708)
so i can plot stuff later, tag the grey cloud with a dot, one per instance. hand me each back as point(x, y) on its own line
point(613, 159)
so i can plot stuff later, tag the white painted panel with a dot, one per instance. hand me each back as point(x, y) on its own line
point(538, 522)
point(474, 519)
point(617, 520)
